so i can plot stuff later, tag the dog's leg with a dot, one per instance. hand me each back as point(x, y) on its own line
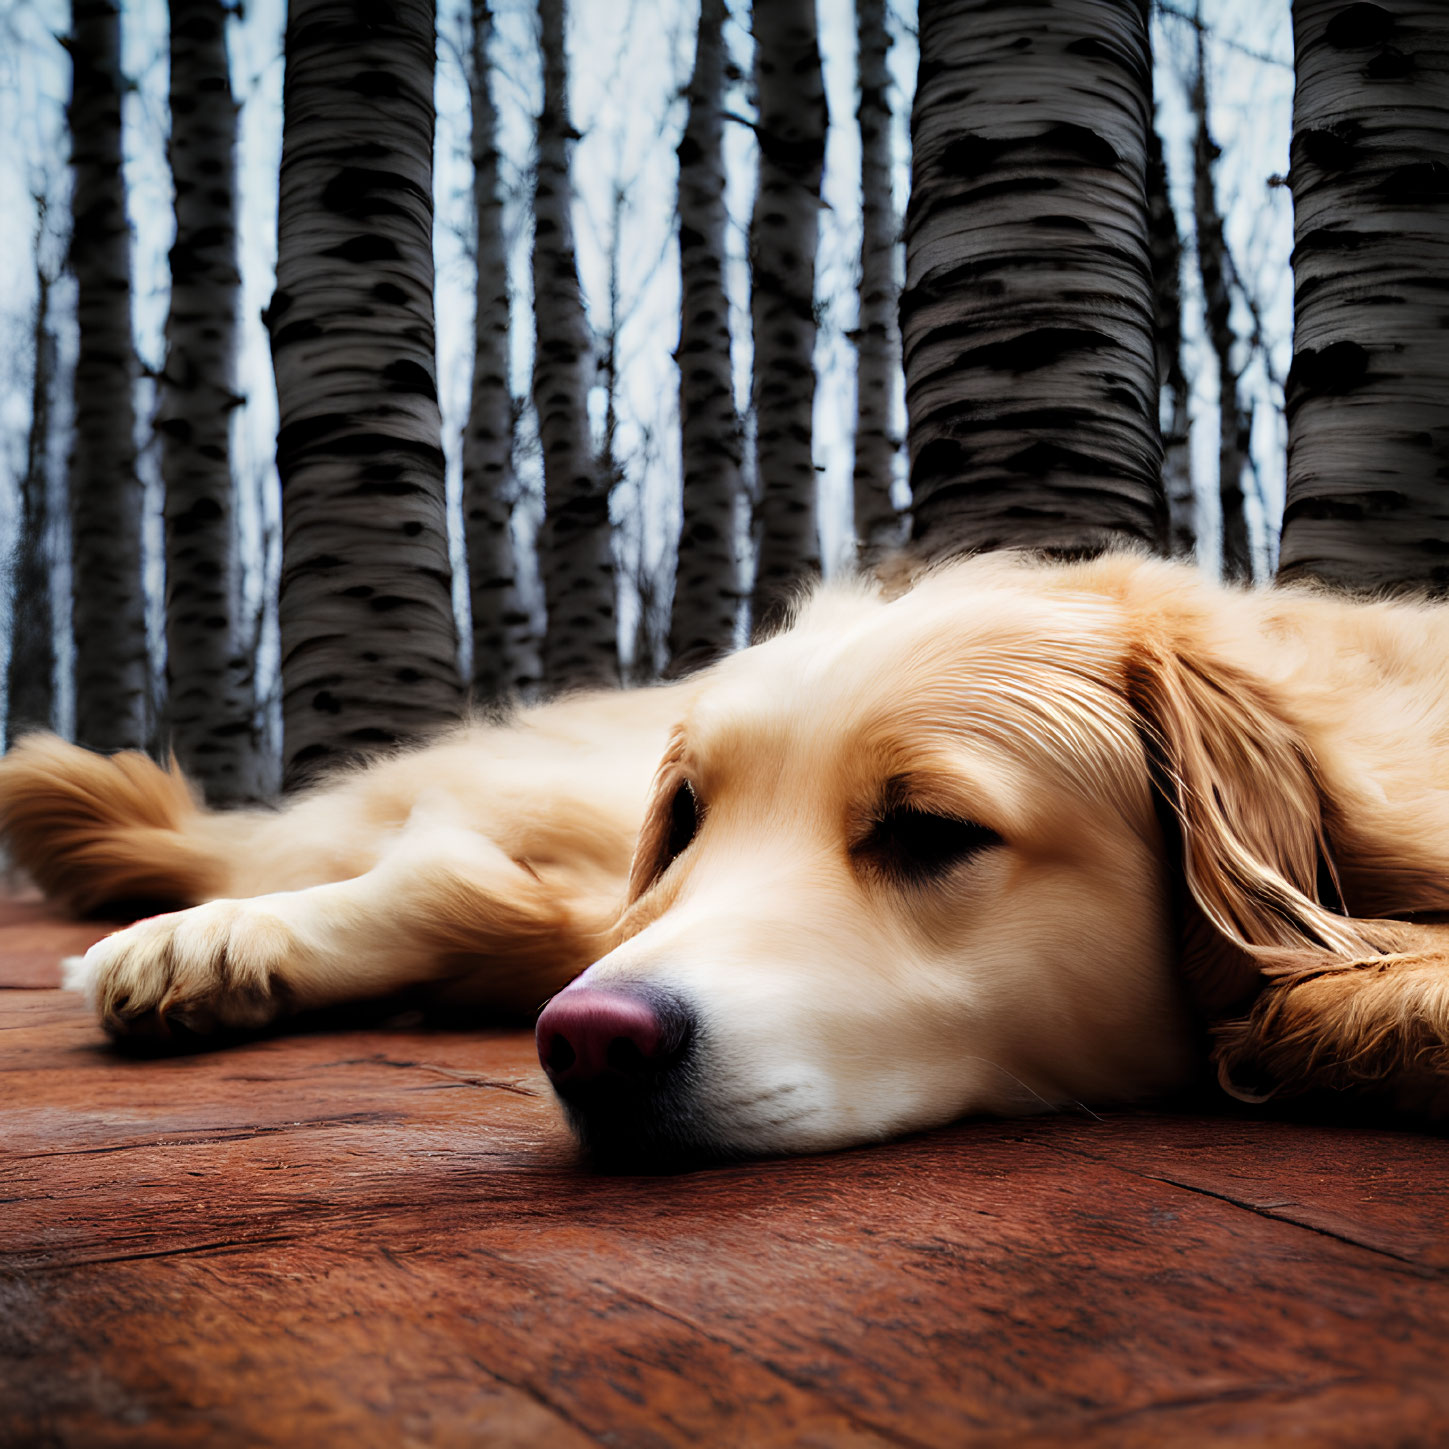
point(444, 907)
point(1379, 1029)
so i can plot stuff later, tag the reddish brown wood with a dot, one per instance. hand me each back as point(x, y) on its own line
point(381, 1237)
point(34, 941)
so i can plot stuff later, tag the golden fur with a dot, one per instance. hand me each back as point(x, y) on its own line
point(1209, 808)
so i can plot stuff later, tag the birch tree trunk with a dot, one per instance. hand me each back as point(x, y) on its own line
point(1031, 386)
point(505, 653)
point(368, 637)
point(1166, 249)
point(210, 700)
point(30, 688)
point(108, 613)
point(707, 582)
point(878, 340)
point(576, 548)
point(784, 229)
point(1368, 431)
point(1234, 424)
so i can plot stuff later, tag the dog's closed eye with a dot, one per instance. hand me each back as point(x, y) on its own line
point(668, 833)
point(917, 847)
point(684, 816)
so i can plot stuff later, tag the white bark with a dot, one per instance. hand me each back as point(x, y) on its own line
point(505, 653)
point(108, 614)
point(1234, 423)
point(784, 230)
point(1166, 248)
point(210, 700)
point(1027, 315)
point(707, 582)
point(576, 547)
point(368, 638)
point(1368, 442)
point(878, 340)
point(30, 694)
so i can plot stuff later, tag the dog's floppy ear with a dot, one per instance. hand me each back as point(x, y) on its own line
point(1300, 995)
point(1248, 812)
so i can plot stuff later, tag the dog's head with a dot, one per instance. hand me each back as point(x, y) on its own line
point(921, 858)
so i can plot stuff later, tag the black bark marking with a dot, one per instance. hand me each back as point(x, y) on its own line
point(365, 250)
point(974, 155)
point(1337, 369)
point(1031, 350)
point(1422, 183)
point(362, 194)
point(1360, 26)
point(1334, 148)
point(1352, 508)
point(404, 376)
point(1390, 64)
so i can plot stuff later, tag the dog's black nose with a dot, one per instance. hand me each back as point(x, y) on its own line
point(594, 1036)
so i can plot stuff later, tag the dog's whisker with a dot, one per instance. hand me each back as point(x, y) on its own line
point(1031, 1091)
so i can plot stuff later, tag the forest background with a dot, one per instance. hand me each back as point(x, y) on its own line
point(630, 62)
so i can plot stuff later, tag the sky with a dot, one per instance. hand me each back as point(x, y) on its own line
point(630, 60)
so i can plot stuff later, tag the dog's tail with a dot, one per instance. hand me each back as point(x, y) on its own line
point(107, 833)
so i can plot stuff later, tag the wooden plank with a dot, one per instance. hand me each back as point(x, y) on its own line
point(33, 940)
point(1382, 1189)
point(383, 1236)
point(1349, 1414)
point(313, 1345)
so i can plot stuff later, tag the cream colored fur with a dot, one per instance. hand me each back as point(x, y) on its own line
point(1215, 808)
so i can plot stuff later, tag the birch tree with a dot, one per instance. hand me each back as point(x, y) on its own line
point(784, 229)
point(707, 583)
point(108, 613)
point(210, 702)
point(505, 653)
point(1166, 250)
point(368, 638)
point(1368, 437)
point(30, 691)
point(877, 335)
point(576, 549)
point(1215, 269)
point(1026, 319)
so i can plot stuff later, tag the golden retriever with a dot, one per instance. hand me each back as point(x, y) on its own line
point(1012, 838)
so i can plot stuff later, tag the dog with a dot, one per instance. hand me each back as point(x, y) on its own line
point(1020, 835)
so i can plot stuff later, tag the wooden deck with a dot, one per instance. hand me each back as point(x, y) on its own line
point(380, 1237)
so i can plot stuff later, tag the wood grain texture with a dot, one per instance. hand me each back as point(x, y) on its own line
point(381, 1236)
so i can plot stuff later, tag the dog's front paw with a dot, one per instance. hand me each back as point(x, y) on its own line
point(212, 967)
